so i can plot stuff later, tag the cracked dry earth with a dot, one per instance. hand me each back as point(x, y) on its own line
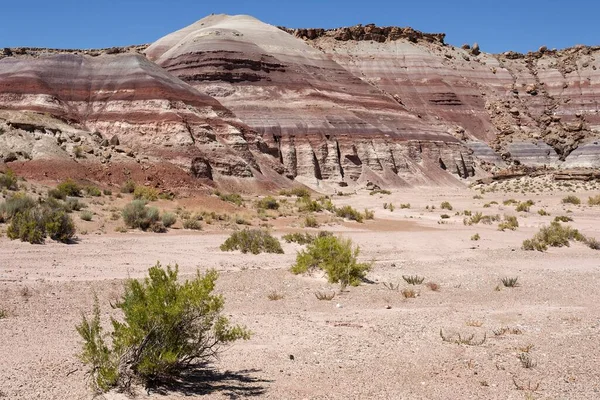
point(368, 342)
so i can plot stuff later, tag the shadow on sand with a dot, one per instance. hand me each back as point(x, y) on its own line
point(203, 381)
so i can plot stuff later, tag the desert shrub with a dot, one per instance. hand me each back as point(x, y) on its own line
point(28, 226)
point(369, 214)
point(137, 215)
point(326, 203)
point(128, 187)
point(543, 212)
point(35, 224)
point(296, 191)
point(298, 237)
point(510, 202)
point(69, 188)
point(145, 193)
point(305, 204)
point(555, 235)
point(510, 282)
point(16, 203)
point(336, 256)
point(267, 203)
point(446, 206)
point(405, 205)
point(253, 241)
point(510, 222)
point(413, 279)
point(86, 215)
point(389, 206)
point(168, 219)
point(73, 204)
point(166, 328)
point(478, 197)
point(93, 191)
point(444, 216)
point(524, 206)
point(107, 192)
point(475, 237)
point(592, 243)
point(192, 223)
point(8, 180)
point(234, 198)
point(349, 213)
point(563, 218)
point(592, 201)
point(480, 218)
point(311, 222)
point(571, 200)
point(379, 191)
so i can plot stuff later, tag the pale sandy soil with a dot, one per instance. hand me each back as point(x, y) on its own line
point(369, 342)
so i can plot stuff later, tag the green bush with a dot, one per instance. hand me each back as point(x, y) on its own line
point(128, 186)
point(524, 206)
point(86, 215)
point(93, 191)
point(137, 215)
point(311, 222)
point(349, 213)
point(192, 223)
point(510, 222)
point(571, 200)
point(369, 214)
point(267, 203)
point(305, 204)
point(16, 203)
point(444, 216)
point(446, 206)
point(296, 191)
point(69, 188)
point(300, 238)
point(166, 328)
point(336, 257)
point(231, 198)
point(555, 235)
point(73, 204)
point(145, 193)
point(34, 224)
point(253, 241)
point(8, 180)
point(475, 237)
point(168, 219)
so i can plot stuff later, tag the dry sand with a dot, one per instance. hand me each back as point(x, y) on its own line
point(367, 343)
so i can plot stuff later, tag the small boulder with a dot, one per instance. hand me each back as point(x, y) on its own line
point(114, 141)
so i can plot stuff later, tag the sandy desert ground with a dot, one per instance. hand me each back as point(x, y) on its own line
point(369, 342)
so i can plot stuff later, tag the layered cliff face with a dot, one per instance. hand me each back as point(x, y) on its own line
point(535, 109)
point(122, 101)
point(230, 96)
point(321, 120)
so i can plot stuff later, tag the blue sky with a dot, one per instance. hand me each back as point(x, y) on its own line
point(497, 26)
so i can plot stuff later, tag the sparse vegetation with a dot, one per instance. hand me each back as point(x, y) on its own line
point(145, 193)
point(524, 206)
point(167, 327)
point(409, 293)
point(234, 198)
point(274, 295)
point(434, 287)
point(138, 215)
point(446, 206)
point(468, 340)
point(543, 212)
point(526, 360)
point(267, 203)
point(475, 237)
point(128, 187)
point(192, 223)
point(480, 218)
point(391, 285)
point(379, 191)
point(336, 257)
point(35, 224)
point(253, 241)
point(86, 215)
point(555, 235)
point(413, 279)
point(325, 296)
point(444, 216)
point(350, 213)
point(510, 282)
point(571, 200)
point(8, 180)
point(510, 222)
point(592, 201)
point(168, 219)
point(310, 222)
point(563, 218)
point(296, 191)
point(93, 191)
